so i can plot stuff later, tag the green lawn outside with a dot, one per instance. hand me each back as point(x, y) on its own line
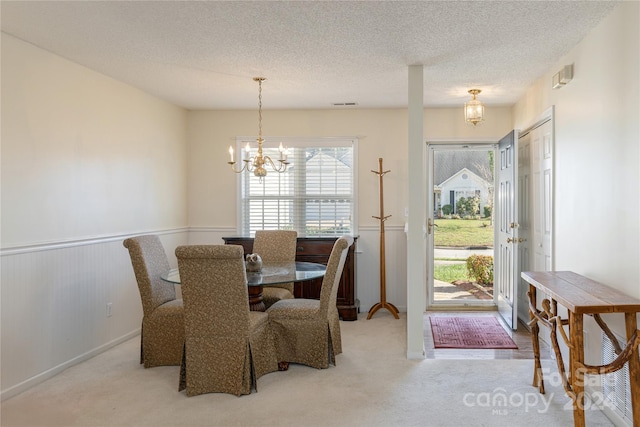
point(460, 233)
point(450, 272)
point(463, 232)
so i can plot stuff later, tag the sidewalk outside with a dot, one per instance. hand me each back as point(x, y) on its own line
point(449, 291)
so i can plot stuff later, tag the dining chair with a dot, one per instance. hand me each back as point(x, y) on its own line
point(276, 246)
point(162, 334)
point(307, 331)
point(227, 347)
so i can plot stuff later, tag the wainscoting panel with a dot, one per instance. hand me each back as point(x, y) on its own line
point(368, 267)
point(54, 297)
point(54, 305)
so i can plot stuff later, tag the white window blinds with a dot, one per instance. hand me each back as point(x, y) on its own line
point(315, 196)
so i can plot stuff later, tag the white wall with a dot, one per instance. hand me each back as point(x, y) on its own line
point(597, 152)
point(382, 133)
point(86, 161)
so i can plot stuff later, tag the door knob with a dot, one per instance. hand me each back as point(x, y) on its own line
point(430, 225)
point(514, 240)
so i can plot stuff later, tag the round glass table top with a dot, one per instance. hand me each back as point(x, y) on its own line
point(272, 273)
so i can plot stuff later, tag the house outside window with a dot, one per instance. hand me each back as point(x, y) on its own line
point(315, 196)
point(462, 185)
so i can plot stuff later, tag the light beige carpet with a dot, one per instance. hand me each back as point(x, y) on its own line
point(373, 384)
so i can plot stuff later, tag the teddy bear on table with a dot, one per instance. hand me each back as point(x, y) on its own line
point(254, 263)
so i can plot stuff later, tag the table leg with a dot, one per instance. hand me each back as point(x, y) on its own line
point(576, 367)
point(283, 366)
point(538, 380)
point(256, 302)
point(631, 324)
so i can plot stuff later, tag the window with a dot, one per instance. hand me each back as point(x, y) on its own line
point(315, 196)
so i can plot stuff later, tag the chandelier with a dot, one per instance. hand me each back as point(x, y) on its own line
point(474, 109)
point(257, 163)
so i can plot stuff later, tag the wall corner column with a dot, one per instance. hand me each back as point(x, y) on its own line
point(416, 250)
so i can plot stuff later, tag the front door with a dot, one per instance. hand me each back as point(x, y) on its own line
point(506, 260)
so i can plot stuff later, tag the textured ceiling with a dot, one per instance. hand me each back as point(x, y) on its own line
point(203, 54)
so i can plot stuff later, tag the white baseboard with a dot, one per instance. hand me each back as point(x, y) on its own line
point(415, 355)
point(23, 386)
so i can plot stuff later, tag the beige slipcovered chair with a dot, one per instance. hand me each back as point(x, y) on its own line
point(227, 347)
point(162, 336)
point(276, 246)
point(307, 331)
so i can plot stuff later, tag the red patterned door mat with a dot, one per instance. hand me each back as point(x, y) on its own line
point(469, 332)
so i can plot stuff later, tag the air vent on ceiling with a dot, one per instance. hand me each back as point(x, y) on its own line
point(344, 104)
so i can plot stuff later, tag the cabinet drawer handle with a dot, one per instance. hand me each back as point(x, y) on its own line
point(301, 248)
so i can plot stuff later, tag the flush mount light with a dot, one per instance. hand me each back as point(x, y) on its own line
point(474, 109)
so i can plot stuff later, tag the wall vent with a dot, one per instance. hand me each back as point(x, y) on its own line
point(615, 386)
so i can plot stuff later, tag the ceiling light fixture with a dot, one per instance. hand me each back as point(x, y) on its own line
point(474, 109)
point(257, 163)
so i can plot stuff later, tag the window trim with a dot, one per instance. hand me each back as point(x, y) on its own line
point(274, 141)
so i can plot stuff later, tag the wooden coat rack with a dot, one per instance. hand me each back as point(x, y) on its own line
point(383, 273)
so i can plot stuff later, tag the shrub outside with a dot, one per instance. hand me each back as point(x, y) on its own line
point(480, 268)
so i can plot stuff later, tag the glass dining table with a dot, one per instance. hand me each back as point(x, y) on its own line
point(272, 273)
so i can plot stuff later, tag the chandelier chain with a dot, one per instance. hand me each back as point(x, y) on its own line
point(257, 163)
point(260, 108)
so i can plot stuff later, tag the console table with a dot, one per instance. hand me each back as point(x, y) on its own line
point(317, 250)
point(580, 296)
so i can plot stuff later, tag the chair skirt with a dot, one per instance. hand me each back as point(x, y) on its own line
point(302, 335)
point(162, 336)
point(229, 364)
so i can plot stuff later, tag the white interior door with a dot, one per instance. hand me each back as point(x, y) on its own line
point(535, 207)
point(506, 259)
point(542, 149)
point(525, 214)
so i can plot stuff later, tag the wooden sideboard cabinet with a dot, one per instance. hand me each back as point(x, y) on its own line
point(318, 249)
